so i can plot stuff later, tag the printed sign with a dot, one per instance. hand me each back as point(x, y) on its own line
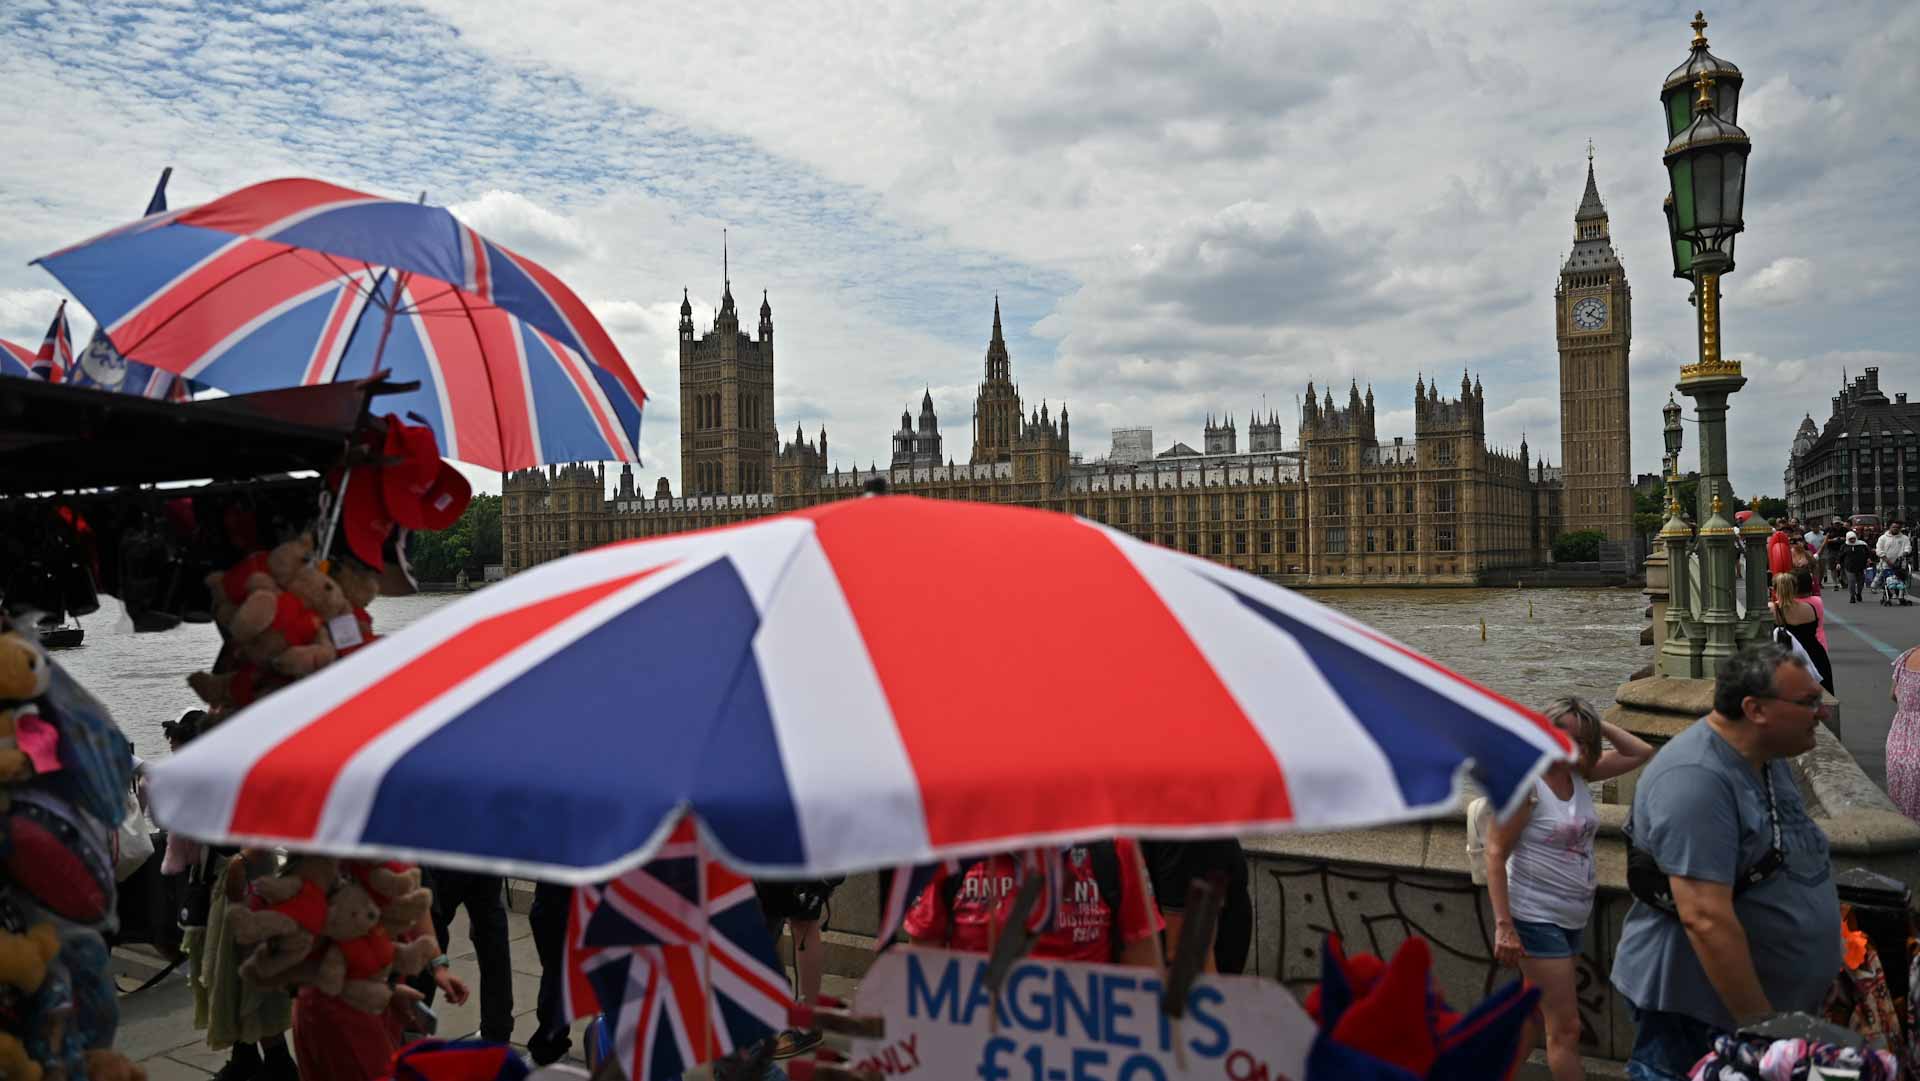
point(1072, 1021)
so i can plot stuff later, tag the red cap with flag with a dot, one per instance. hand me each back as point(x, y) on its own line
point(421, 490)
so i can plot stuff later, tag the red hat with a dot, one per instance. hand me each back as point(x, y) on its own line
point(421, 491)
point(364, 518)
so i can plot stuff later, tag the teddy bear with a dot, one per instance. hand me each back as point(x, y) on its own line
point(24, 676)
point(287, 631)
point(24, 957)
point(15, 1064)
point(284, 919)
point(106, 1064)
point(360, 953)
point(361, 586)
point(231, 587)
point(241, 685)
point(396, 888)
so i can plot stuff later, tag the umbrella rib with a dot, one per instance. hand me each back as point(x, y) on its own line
point(129, 350)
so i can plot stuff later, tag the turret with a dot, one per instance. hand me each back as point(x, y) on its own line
point(686, 316)
point(766, 318)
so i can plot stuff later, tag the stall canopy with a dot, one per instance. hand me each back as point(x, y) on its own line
point(60, 438)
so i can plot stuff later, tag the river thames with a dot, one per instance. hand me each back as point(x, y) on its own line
point(1540, 643)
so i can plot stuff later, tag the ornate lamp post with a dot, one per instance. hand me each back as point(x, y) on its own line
point(1679, 651)
point(1706, 162)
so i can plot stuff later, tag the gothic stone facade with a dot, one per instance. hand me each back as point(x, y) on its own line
point(727, 434)
point(1593, 321)
point(1340, 508)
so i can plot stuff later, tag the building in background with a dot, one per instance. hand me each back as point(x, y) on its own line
point(727, 433)
point(1593, 320)
point(1340, 507)
point(1865, 459)
point(1803, 440)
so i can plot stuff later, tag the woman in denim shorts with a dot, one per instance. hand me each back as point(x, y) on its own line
point(1540, 872)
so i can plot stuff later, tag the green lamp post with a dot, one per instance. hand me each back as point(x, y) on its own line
point(1706, 161)
point(1679, 650)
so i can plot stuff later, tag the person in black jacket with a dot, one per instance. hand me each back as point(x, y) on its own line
point(1855, 560)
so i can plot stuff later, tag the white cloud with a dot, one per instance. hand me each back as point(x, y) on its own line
point(1185, 208)
point(1787, 280)
point(525, 226)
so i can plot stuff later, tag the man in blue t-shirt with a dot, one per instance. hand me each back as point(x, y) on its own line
point(1738, 951)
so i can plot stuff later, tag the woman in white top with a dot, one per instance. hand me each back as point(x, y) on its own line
point(1540, 872)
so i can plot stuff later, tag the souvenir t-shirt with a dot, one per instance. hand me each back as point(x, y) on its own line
point(1087, 921)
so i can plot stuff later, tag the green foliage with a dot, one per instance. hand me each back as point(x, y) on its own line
point(468, 544)
point(1772, 508)
point(1580, 546)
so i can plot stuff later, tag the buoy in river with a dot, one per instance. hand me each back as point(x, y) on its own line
point(1483, 628)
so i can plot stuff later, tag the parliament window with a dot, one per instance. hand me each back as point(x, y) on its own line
point(1146, 511)
point(1336, 542)
point(1263, 505)
point(1193, 544)
point(1266, 543)
point(1166, 508)
point(1370, 541)
point(1293, 542)
point(1213, 508)
point(1239, 504)
point(1219, 544)
point(1410, 545)
point(1240, 544)
point(1334, 503)
point(1406, 499)
point(1193, 508)
point(1369, 500)
point(1389, 539)
point(1443, 538)
point(1444, 452)
point(1120, 515)
point(1443, 498)
point(1290, 505)
point(1333, 455)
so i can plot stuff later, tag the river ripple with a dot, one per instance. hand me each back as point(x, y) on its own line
point(1540, 643)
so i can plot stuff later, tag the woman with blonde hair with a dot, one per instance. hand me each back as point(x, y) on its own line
point(1541, 877)
point(1800, 622)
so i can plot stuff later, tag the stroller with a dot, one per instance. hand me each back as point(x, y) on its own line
point(1893, 582)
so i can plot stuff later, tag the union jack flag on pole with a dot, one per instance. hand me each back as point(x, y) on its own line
point(55, 358)
point(678, 958)
point(100, 364)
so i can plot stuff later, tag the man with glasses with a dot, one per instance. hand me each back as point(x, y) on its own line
point(1754, 925)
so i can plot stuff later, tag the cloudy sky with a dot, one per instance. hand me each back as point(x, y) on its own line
point(1184, 209)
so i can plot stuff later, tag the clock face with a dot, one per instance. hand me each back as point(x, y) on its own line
point(1590, 314)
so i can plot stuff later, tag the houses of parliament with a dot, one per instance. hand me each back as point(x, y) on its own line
point(1338, 505)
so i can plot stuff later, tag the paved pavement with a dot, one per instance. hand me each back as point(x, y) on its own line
point(1862, 641)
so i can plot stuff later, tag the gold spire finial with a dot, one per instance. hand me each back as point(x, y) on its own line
point(1704, 102)
point(1699, 25)
point(1716, 504)
point(1673, 506)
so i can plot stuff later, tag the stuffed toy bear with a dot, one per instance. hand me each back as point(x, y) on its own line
point(361, 586)
point(396, 888)
point(15, 1065)
point(231, 587)
point(241, 685)
point(284, 919)
point(24, 676)
point(360, 953)
point(24, 957)
point(106, 1064)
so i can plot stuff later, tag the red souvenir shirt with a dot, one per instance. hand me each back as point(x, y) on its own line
point(1084, 931)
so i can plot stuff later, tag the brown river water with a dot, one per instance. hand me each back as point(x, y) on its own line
point(1540, 643)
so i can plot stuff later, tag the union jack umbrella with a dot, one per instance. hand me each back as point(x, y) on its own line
point(296, 282)
point(678, 957)
point(16, 360)
point(878, 682)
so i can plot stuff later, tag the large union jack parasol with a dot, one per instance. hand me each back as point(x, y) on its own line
point(879, 682)
point(296, 282)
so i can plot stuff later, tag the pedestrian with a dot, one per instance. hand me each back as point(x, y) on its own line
point(547, 920)
point(1855, 560)
point(1893, 545)
point(1831, 550)
point(801, 906)
point(1903, 738)
point(1814, 539)
point(1541, 875)
point(1803, 582)
point(1735, 914)
point(485, 899)
point(968, 909)
point(1801, 622)
point(1174, 865)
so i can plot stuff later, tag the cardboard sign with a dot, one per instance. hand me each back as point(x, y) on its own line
point(1072, 1021)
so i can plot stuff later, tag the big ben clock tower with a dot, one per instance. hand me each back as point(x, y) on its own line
point(1593, 317)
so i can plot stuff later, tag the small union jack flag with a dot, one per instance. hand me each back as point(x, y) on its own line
point(679, 959)
point(55, 358)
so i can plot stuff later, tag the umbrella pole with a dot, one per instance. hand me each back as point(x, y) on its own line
point(346, 475)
